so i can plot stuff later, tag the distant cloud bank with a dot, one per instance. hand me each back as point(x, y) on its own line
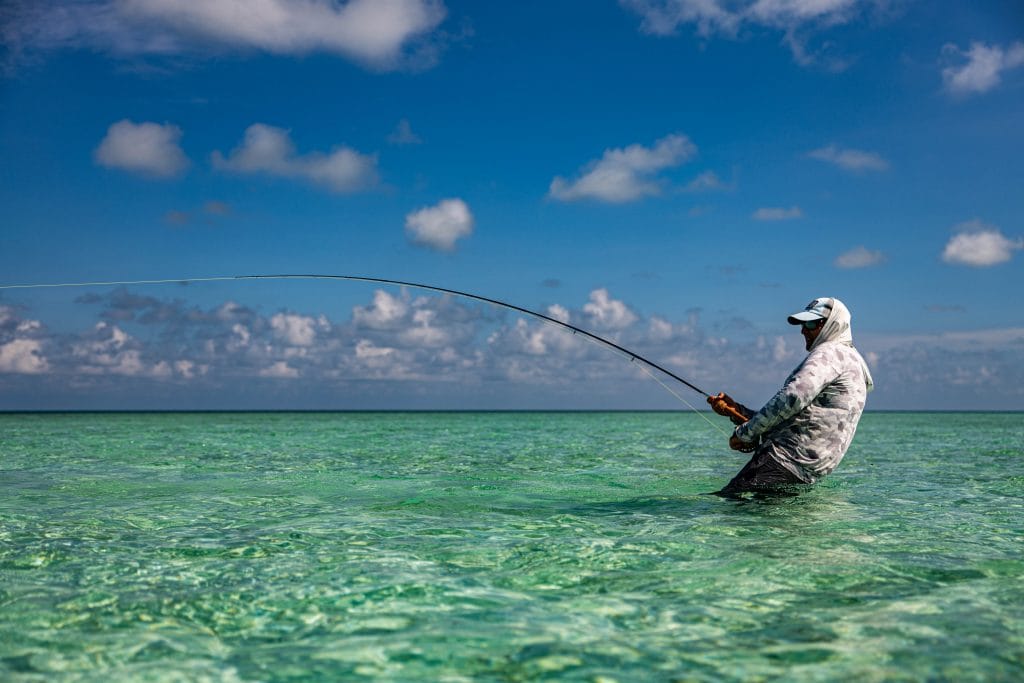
point(451, 351)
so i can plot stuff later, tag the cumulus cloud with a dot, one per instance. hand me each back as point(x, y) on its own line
point(778, 213)
point(607, 313)
point(859, 257)
point(21, 344)
point(298, 330)
point(270, 150)
point(980, 68)
point(625, 174)
point(146, 148)
point(799, 20)
point(980, 245)
point(386, 312)
point(379, 33)
point(854, 160)
point(23, 356)
point(111, 350)
point(440, 226)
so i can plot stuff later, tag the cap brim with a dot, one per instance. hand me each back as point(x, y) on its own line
point(804, 317)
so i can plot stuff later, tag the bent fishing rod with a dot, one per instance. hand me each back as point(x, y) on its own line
point(720, 405)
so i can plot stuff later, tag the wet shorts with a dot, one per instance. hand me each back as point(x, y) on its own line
point(762, 473)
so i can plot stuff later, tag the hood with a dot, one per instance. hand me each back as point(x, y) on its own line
point(837, 329)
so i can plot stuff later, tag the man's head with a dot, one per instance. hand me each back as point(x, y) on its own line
point(812, 319)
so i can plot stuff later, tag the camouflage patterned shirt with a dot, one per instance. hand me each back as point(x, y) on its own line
point(808, 425)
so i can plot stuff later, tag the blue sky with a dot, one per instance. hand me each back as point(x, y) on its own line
point(675, 175)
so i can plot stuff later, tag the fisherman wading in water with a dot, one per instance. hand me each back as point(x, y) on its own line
point(802, 432)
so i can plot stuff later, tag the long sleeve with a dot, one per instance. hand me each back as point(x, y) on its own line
point(800, 389)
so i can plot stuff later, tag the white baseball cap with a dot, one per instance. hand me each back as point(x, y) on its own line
point(818, 309)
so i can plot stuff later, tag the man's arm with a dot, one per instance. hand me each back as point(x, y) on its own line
point(816, 372)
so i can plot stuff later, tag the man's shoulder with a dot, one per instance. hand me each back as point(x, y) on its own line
point(825, 355)
point(834, 352)
point(831, 348)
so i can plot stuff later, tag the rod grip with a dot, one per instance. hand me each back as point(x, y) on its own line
point(723, 405)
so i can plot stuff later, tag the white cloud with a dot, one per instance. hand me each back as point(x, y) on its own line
point(190, 370)
point(850, 159)
point(111, 350)
point(659, 329)
point(23, 356)
point(440, 226)
point(386, 312)
point(625, 174)
point(147, 148)
point(859, 257)
point(778, 213)
point(372, 355)
point(426, 331)
point(607, 313)
point(982, 71)
point(559, 313)
point(378, 33)
point(534, 340)
point(797, 19)
point(21, 344)
point(980, 245)
point(267, 149)
point(298, 330)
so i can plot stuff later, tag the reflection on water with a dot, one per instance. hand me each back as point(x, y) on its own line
point(501, 547)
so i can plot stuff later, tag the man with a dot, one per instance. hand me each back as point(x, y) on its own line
point(802, 433)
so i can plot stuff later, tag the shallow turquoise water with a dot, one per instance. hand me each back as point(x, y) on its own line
point(501, 546)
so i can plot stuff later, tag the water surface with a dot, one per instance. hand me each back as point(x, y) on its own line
point(501, 546)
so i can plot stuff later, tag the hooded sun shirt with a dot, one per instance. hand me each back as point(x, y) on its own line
point(808, 425)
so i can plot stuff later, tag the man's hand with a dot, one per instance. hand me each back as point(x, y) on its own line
point(725, 405)
point(738, 444)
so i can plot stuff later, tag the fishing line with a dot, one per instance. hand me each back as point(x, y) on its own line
point(646, 364)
